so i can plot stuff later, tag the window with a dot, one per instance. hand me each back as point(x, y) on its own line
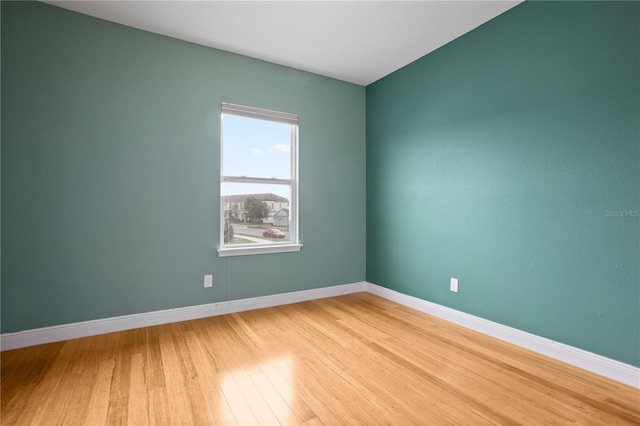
point(258, 181)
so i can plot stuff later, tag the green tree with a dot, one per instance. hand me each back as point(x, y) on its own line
point(256, 209)
point(228, 230)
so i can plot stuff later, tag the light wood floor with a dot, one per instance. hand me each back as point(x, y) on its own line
point(355, 359)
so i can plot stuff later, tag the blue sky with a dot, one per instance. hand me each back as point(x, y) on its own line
point(255, 148)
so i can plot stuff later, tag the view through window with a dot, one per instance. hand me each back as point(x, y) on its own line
point(258, 184)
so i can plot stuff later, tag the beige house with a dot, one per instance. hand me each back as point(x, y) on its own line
point(278, 207)
point(280, 218)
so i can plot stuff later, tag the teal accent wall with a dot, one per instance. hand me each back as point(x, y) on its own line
point(110, 171)
point(510, 159)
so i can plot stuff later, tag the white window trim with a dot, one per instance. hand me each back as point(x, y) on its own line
point(246, 251)
point(294, 235)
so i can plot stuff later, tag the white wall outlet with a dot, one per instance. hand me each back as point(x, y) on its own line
point(208, 281)
point(454, 285)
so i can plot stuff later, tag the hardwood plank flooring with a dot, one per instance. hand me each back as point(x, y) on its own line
point(354, 359)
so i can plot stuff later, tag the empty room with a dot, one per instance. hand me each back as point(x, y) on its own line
point(332, 212)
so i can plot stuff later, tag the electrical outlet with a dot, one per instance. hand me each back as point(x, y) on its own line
point(208, 281)
point(454, 285)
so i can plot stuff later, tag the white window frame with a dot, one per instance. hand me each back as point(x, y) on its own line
point(293, 244)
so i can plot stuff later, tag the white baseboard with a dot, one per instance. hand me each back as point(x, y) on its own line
point(615, 370)
point(59, 333)
point(597, 364)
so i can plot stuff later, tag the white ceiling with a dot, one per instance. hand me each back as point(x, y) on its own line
point(355, 41)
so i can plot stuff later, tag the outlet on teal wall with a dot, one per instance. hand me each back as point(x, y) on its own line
point(110, 168)
point(509, 159)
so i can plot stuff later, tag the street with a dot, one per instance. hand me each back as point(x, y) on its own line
point(244, 229)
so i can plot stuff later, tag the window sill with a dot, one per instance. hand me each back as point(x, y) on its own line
point(246, 251)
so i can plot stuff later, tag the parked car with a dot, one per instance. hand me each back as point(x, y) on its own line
point(273, 233)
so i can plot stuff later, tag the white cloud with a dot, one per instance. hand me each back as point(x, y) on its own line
point(280, 147)
point(255, 151)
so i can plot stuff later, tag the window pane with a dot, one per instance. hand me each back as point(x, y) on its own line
point(256, 148)
point(258, 182)
point(257, 213)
